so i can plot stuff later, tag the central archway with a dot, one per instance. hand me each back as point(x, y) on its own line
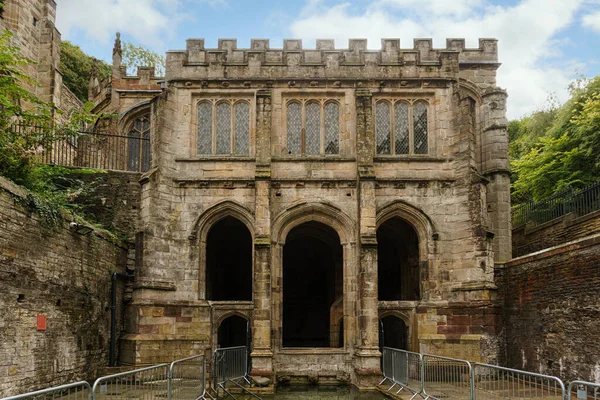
point(312, 282)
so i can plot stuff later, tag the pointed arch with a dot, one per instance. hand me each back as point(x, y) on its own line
point(302, 212)
point(217, 212)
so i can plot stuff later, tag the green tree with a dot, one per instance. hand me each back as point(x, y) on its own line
point(138, 56)
point(26, 123)
point(562, 151)
point(76, 66)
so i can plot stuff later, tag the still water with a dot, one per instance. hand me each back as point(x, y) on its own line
point(298, 392)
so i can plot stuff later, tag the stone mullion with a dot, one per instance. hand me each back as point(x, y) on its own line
point(262, 355)
point(367, 366)
point(495, 168)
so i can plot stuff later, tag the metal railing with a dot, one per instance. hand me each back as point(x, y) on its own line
point(143, 383)
point(583, 390)
point(494, 382)
point(71, 391)
point(94, 150)
point(403, 368)
point(187, 378)
point(445, 377)
point(579, 202)
point(230, 365)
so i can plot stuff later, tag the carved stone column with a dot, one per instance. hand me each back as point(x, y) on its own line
point(368, 356)
point(262, 354)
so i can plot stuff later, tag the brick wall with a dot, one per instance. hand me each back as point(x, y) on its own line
point(530, 238)
point(552, 310)
point(65, 276)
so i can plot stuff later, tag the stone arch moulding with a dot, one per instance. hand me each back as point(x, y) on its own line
point(220, 315)
point(421, 223)
point(129, 115)
point(408, 317)
point(199, 233)
point(302, 212)
point(217, 212)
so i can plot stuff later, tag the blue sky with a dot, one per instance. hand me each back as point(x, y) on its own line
point(543, 44)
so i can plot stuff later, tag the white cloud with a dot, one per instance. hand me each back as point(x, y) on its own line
point(526, 34)
point(148, 22)
point(592, 21)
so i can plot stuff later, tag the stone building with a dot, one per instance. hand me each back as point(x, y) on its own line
point(32, 25)
point(319, 203)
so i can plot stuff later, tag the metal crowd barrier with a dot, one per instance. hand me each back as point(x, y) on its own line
point(71, 391)
point(494, 382)
point(144, 383)
point(230, 365)
point(403, 368)
point(187, 378)
point(583, 390)
point(446, 378)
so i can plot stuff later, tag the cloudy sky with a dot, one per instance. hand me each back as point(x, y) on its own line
point(544, 44)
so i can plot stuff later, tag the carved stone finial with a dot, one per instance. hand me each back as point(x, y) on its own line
point(117, 47)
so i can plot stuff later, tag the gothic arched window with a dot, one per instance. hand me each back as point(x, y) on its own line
point(138, 144)
point(223, 127)
point(403, 131)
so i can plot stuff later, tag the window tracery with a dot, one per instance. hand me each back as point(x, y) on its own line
point(223, 127)
point(313, 127)
point(138, 146)
point(404, 130)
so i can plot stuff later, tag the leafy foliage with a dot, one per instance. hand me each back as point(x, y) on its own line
point(76, 67)
point(138, 56)
point(559, 147)
point(27, 127)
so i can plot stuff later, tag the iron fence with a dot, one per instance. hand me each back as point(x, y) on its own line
point(71, 391)
point(403, 368)
point(445, 378)
point(230, 366)
point(94, 150)
point(494, 382)
point(583, 390)
point(579, 202)
point(145, 383)
point(187, 378)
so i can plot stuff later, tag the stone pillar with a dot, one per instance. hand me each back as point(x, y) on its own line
point(368, 355)
point(495, 167)
point(262, 354)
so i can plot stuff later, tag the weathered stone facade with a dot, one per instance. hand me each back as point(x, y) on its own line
point(288, 148)
point(32, 24)
point(64, 277)
point(551, 310)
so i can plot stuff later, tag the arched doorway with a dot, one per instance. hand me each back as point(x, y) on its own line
point(398, 261)
point(233, 331)
point(393, 332)
point(312, 282)
point(229, 261)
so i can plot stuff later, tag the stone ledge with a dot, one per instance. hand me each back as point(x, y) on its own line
point(556, 250)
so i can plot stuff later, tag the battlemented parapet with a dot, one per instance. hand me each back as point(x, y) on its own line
point(325, 61)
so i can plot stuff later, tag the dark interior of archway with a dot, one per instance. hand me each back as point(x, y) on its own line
point(397, 261)
point(312, 281)
point(393, 333)
point(229, 261)
point(233, 331)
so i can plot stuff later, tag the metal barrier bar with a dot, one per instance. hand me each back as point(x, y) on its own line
point(403, 368)
point(446, 378)
point(230, 363)
point(71, 391)
point(187, 378)
point(583, 390)
point(494, 382)
point(145, 383)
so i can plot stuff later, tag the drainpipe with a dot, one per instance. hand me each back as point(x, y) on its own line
point(113, 316)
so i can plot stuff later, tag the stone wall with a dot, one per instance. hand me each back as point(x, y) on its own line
point(552, 310)
point(64, 276)
point(111, 198)
point(529, 238)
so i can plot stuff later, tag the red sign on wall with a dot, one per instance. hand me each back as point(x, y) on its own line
point(41, 322)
